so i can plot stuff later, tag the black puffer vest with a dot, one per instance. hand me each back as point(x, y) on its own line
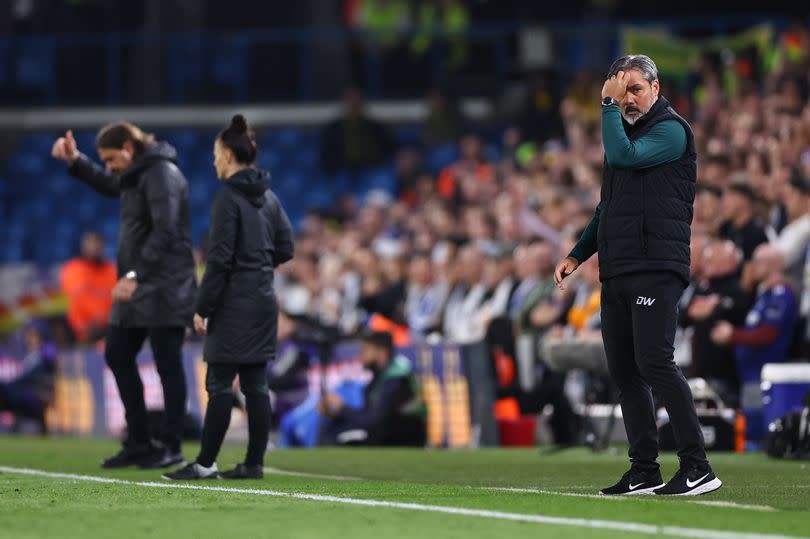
point(646, 217)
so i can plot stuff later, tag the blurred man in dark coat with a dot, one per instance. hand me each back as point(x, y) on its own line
point(156, 285)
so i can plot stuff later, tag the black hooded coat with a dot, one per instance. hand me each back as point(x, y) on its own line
point(250, 236)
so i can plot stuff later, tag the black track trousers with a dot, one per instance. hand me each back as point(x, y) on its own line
point(639, 316)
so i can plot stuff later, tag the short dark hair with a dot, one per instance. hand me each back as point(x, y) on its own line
point(381, 339)
point(744, 189)
point(799, 182)
point(114, 135)
point(635, 61)
point(240, 138)
point(711, 189)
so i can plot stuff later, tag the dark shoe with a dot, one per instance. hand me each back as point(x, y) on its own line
point(244, 472)
point(193, 471)
point(130, 455)
point(162, 458)
point(691, 480)
point(635, 482)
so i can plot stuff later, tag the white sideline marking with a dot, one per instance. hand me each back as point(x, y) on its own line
point(714, 503)
point(277, 471)
point(481, 513)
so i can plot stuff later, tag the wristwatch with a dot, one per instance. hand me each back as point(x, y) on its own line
point(131, 275)
point(608, 101)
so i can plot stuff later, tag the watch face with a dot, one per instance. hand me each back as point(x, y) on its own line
point(607, 101)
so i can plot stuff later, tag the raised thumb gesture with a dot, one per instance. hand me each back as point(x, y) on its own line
point(65, 148)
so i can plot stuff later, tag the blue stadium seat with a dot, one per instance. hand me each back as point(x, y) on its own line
point(25, 167)
point(12, 251)
point(439, 157)
point(319, 198)
point(37, 143)
point(60, 186)
point(40, 208)
point(86, 207)
point(378, 178)
point(185, 64)
point(86, 141)
point(60, 252)
point(183, 139)
point(284, 138)
point(269, 159)
point(34, 65)
point(409, 135)
point(230, 57)
point(67, 229)
point(109, 229)
point(16, 227)
point(492, 153)
point(340, 183)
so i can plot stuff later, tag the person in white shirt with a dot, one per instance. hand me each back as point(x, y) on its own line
point(793, 240)
point(462, 320)
point(426, 296)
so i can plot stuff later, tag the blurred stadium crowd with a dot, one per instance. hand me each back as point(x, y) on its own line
point(449, 232)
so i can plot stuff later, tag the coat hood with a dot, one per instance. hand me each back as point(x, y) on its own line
point(159, 151)
point(251, 183)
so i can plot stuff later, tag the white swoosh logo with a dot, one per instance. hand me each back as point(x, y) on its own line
point(634, 487)
point(690, 484)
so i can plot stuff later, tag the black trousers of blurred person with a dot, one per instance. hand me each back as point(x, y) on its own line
point(123, 345)
point(219, 384)
point(639, 317)
point(550, 389)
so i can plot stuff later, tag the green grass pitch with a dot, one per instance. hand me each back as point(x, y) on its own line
point(331, 493)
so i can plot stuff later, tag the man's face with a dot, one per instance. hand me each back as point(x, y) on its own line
point(117, 160)
point(732, 203)
point(707, 206)
point(764, 262)
point(420, 270)
point(92, 247)
point(795, 201)
point(371, 356)
point(640, 96)
point(720, 259)
point(541, 259)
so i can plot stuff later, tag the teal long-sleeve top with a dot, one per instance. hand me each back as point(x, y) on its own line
point(665, 142)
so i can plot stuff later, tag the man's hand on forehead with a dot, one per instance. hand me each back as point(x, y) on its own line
point(615, 86)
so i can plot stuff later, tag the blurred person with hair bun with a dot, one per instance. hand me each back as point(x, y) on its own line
point(236, 307)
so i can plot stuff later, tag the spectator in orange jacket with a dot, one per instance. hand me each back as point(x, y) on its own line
point(87, 281)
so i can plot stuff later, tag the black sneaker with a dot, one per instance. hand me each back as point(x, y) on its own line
point(193, 471)
point(162, 458)
point(691, 480)
point(130, 455)
point(244, 472)
point(635, 482)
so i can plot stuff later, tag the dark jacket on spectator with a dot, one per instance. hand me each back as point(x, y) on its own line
point(153, 236)
point(354, 143)
point(709, 360)
point(747, 238)
point(393, 413)
point(250, 236)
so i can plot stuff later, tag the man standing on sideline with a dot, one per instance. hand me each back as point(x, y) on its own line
point(641, 230)
point(154, 296)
